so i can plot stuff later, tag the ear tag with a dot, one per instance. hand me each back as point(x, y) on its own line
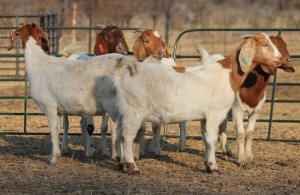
point(101, 48)
point(137, 44)
point(245, 60)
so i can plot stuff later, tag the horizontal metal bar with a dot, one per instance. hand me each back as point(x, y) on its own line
point(21, 113)
point(32, 133)
point(12, 79)
point(284, 101)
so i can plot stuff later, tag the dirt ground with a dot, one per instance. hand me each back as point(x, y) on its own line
point(275, 170)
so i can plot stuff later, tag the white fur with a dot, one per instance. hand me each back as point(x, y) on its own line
point(71, 53)
point(60, 85)
point(157, 93)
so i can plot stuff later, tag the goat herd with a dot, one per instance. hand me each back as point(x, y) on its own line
point(146, 85)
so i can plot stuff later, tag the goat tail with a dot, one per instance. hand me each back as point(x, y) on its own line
point(72, 48)
point(203, 52)
point(128, 63)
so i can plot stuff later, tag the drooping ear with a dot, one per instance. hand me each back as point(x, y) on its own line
point(125, 44)
point(139, 50)
point(13, 38)
point(269, 69)
point(44, 43)
point(166, 53)
point(247, 54)
point(101, 46)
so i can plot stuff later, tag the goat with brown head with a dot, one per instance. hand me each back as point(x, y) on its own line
point(31, 30)
point(149, 43)
point(110, 40)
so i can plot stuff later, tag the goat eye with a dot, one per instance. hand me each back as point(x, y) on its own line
point(265, 45)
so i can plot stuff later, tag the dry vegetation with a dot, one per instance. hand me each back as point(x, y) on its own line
point(275, 169)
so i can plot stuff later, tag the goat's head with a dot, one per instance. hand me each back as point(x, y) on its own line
point(286, 58)
point(30, 30)
point(149, 43)
point(110, 40)
point(258, 49)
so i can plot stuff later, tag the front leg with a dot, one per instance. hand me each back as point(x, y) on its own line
point(64, 144)
point(237, 117)
point(250, 131)
point(87, 128)
point(104, 127)
point(53, 120)
point(155, 145)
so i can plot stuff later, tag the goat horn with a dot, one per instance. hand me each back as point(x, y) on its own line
point(245, 36)
point(100, 26)
point(141, 30)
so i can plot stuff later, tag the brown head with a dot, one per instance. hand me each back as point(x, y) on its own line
point(149, 43)
point(110, 40)
point(286, 58)
point(30, 30)
point(258, 49)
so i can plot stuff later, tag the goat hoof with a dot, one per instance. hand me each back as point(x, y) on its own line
point(121, 166)
point(134, 173)
point(213, 171)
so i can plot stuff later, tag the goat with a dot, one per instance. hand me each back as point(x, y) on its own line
point(255, 87)
point(62, 86)
point(110, 40)
point(258, 78)
point(149, 43)
point(164, 94)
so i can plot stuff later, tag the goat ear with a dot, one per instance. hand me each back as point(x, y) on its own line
point(139, 50)
point(101, 46)
point(13, 38)
point(166, 53)
point(247, 54)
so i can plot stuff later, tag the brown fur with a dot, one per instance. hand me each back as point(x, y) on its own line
point(149, 44)
point(33, 30)
point(237, 76)
point(179, 69)
point(253, 89)
point(112, 40)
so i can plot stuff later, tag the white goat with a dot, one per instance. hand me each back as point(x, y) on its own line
point(149, 46)
point(62, 86)
point(164, 94)
point(86, 123)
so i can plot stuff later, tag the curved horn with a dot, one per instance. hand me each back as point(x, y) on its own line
point(140, 30)
point(245, 36)
point(100, 26)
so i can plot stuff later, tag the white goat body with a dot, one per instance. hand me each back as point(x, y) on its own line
point(62, 86)
point(164, 94)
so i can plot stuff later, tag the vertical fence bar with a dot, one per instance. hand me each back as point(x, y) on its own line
point(272, 102)
point(17, 50)
point(272, 106)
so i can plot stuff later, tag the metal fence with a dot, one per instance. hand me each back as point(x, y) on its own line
point(176, 56)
